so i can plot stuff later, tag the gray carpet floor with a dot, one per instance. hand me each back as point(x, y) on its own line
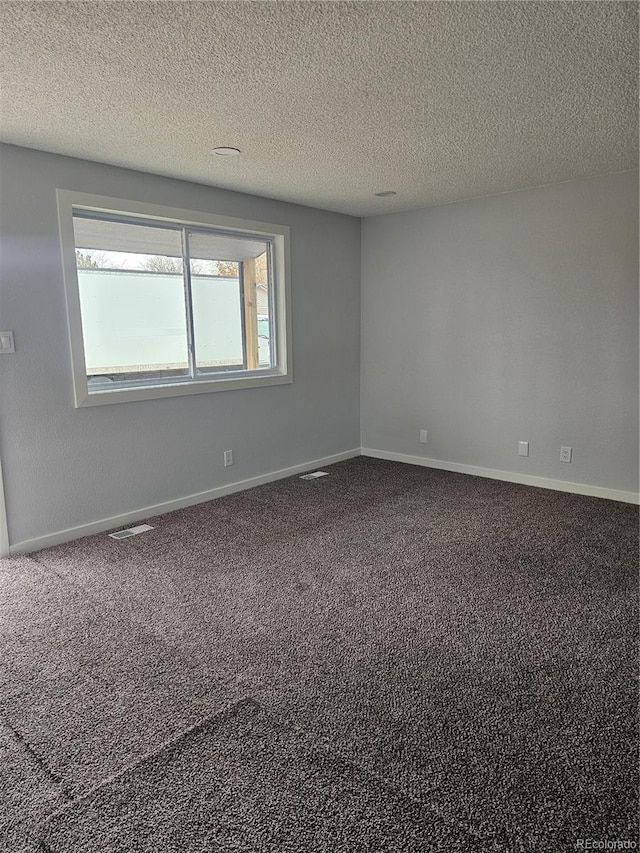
point(467, 646)
point(286, 798)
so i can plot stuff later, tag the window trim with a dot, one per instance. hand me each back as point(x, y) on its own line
point(279, 237)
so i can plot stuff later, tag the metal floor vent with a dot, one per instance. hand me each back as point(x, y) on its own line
point(314, 475)
point(131, 531)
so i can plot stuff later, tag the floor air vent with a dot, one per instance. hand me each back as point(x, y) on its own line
point(314, 475)
point(131, 531)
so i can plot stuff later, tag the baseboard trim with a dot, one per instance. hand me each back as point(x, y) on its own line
point(128, 518)
point(4, 532)
point(508, 476)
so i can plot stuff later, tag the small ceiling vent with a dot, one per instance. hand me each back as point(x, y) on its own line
point(314, 475)
point(131, 531)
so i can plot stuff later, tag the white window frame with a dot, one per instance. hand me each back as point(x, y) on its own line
point(278, 235)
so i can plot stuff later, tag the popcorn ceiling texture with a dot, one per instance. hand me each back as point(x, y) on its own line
point(329, 102)
point(461, 652)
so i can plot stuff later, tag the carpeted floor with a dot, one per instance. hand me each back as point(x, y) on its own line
point(460, 653)
point(286, 797)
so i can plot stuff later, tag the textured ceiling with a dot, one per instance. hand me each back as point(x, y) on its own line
point(330, 102)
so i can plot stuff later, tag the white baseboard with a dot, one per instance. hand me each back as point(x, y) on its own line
point(118, 521)
point(508, 476)
point(4, 533)
point(128, 518)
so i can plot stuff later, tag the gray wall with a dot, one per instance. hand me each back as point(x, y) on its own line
point(507, 318)
point(65, 467)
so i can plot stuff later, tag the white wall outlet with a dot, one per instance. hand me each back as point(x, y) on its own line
point(565, 454)
point(228, 458)
point(6, 342)
point(523, 448)
point(423, 436)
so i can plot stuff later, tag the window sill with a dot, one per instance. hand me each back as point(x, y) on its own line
point(103, 397)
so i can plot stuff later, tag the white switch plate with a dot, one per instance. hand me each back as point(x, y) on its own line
point(565, 454)
point(523, 448)
point(228, 458)
point(423, 436)
point(7, 343)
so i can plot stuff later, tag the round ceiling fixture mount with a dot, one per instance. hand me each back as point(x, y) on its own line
point(225, 151)
point(386, 194)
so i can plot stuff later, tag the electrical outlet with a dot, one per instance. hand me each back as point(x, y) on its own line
point(6, 342)
point(228, 458)
point(423, 436)
point(523, 448)
point(565, 454)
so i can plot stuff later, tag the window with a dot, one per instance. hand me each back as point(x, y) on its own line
point(164, 302)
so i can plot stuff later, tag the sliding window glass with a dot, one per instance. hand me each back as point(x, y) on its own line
point(132, 300)
point(230, 297)
point(164, 302)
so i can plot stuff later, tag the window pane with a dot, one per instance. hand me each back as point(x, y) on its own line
point(226, 303)
point(132, 301)
point(217, 321)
